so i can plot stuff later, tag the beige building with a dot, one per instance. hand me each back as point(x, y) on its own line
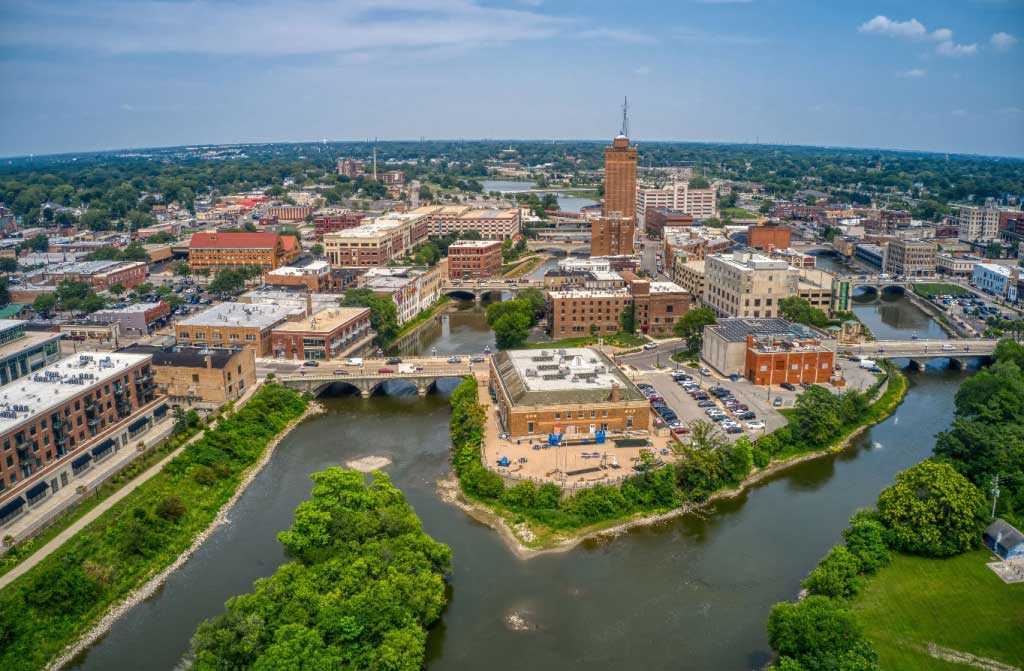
point(200, 375)
point(413, 289)
point(229, 324)
point(699, 203)
point(490, 223)
point(978, 224)
point(742, 284)
point(386, 238)
point(690, 276)
point(909, 258)
point(947, 263)
point(323, 336)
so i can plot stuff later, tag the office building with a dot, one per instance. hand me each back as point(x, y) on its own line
point(323, 336)
point(909, 258)
point(620, 179)
point(334, 221)
point(947, 263)
point(699, 203)
point(474, 259)
point(772, 360)
point(229, 324)
point(656, 219)
point(135, 319)
point(58, 420)
point(725, 346)
point(214, 251)
point(374, 244)
point(573, 392)
point(690, 276)
point(747, 285)
point(23, 352)
point(100, 275)
point(612, 235)
point(978, 224)
point(490, 223)
point(769, 237)
point(581, 312)
point(203, 376)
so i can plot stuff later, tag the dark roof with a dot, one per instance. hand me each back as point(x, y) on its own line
point(1003, 533)
point(736, 329)
point(184, 357)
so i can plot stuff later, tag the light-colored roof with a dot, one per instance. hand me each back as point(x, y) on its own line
point(34, 395)
point(311, 268)
point(590, 293)
point(474, 244)
point(325, 320)
point(239, 314)
point(136, 307)
point(559, 376)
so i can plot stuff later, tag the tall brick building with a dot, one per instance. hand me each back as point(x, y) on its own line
point(474, 259)
point(620, 178)
point(612, 235)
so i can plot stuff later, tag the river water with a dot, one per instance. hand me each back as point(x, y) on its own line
point(692, 593)
point(565, 203)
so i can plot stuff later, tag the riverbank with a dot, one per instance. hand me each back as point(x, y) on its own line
point(146, 590)
point(527, 539)
point(55, 603)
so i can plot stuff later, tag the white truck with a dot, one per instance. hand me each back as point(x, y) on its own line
point(404, 368)
point(867, 364)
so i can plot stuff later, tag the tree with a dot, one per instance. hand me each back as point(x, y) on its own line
point(181, 268)
point(691, 327)
point(932, 510)
point(993, 250)
point(227, 281)
point(38, 243)
point(5, 294)
point(117, 289)
point(317, 250)
point(699, 182)
point(800, 310)
point(837, 575)
point(142, 289)
point(44, 303)
point(95, 219)
point(815, 420)
point(383, 312)
point(8, 265)
point(627, 320)
point(511, 330)
point(425, 193)
point(536, 300)
point(819, 630)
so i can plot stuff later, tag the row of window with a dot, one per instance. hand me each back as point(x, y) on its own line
point(216, 336)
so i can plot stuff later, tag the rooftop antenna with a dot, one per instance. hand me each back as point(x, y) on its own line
point(375, 160)
point(625, 118)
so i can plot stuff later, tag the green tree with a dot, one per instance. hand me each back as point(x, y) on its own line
point(317, 250)
point(8, 265)
point(425, 193)
point(932, 510)
point(511, 330)
point(837, 575)
point(815, 420)
point(117, 289)
point(44, 303)
point(691, 325)
point(536, 300)
point(383, 312)
point(95, 219)
point(799, 310)
point(227, 281)
point(38, 243)
point(819, 632)
point(5, 294)
point(627, 320)
point(181, 268)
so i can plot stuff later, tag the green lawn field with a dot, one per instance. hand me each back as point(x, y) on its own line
point(939, 289)
point(956, 603)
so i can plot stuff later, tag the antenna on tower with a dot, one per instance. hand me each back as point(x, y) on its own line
point(375, 160)
point(625, 118)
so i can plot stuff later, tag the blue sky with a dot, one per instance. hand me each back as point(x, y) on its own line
point(933, 75)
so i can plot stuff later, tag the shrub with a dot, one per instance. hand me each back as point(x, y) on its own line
point(837, 575)
point(865, 539)
point(171, 508)
point(818, 632)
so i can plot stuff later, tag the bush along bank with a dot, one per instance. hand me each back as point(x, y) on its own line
point(708, 465)
point(58, 600)
point(364, 583)
point(931, 511)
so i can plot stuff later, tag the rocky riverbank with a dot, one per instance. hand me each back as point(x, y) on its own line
point(151, 586)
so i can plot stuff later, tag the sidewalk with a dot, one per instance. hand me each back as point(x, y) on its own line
point(43, 552)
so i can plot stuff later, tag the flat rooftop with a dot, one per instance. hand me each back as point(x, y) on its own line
point(136, 307)
point(31, 339)
point(560, 376)
point(325, 320)
point(736, 329)
point(252, 315)
point(662, 287)
point(182, 356)
point(474, 244)
point(28, 397)
point(590, 293)
point(311, 268)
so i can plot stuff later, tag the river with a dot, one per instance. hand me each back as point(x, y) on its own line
point(691, 593)
point(566, 203)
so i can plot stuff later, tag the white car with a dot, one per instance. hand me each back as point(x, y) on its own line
point(756, 425)
point(650, 345)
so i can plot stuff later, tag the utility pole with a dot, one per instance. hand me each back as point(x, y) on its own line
point(995, 493)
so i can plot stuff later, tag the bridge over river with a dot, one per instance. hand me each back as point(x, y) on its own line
point(423, 373)
point(478, 288)
point(921, 351)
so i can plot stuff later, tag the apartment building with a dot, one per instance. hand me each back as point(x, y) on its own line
point(334, 221)
point(699, 203)
point(413, 289)
point(200, 376)
point(612, 235)
point(23, 351)
point(656, 219)
point(574, 392)
point(978, 224)
point(323, 336)
point(58, 420)
point(909, 258)
point(214, 251)
point(228, 324)
point(490, 223)
point(350, 167)
point(747, 285)
point(374, 244)
point(474, 259)
point(657, 305)
point(581, 312)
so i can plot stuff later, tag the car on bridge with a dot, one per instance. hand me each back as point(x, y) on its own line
point(385, 371)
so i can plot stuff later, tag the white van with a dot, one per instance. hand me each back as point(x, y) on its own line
point(949, 348)
point(353, 362)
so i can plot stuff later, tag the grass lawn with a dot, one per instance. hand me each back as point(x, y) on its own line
point(927, 289)
point(616, 340)
point(738, 213)
point(955, 603)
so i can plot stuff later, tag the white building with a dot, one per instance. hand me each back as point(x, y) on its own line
point(996, 280)
point(699, 203)
point(978, 224)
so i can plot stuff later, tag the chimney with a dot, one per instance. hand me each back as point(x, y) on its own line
point(616, 394)
point(309, 303)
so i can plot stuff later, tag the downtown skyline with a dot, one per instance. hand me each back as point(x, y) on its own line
point(83, 76)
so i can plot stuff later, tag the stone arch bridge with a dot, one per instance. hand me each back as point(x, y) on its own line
point(477, 289)
point(422, 373)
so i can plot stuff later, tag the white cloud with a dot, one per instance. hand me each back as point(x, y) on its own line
point(617, 35)
point(950, 48)
point(265, 27)
point(883, 25)
point(913, 73)
point(1002, 41)
point(942, 35)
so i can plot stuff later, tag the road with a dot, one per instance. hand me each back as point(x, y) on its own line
point(924, 348)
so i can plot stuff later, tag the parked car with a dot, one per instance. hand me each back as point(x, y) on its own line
point(310, 364)
point(746, 414)
point(777, 402)
point(706, 404)
point(650, 345)
point(756, 425)
point(734, 429)
point(787, 386)
point(680, 430)
point(385, 371)
point(705, 371)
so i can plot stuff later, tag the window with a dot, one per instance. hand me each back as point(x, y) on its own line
point(195, 378)
point(629, 422)
point(529, 427)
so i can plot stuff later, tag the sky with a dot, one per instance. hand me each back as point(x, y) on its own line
point(937, 75)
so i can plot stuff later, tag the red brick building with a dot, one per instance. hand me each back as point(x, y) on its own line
point(474, 259)
point(769, 237)
point(772, 361)
point(233, 250)
point(656, 219)
point(332, 223)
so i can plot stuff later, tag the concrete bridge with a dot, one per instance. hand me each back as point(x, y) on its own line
point(422, 373)
point(920, 352)
point(478, 288)
point(559, 247)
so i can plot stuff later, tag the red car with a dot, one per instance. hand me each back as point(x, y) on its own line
point(680, 430)
point(384, 371)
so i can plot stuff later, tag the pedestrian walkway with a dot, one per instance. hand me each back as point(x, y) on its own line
point(59, 540)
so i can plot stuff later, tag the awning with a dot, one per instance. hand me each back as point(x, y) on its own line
point(36, 489)
point(161, 410)
point(137, 424)
point(81, 461)
point(11, 507)
point(103, 448)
